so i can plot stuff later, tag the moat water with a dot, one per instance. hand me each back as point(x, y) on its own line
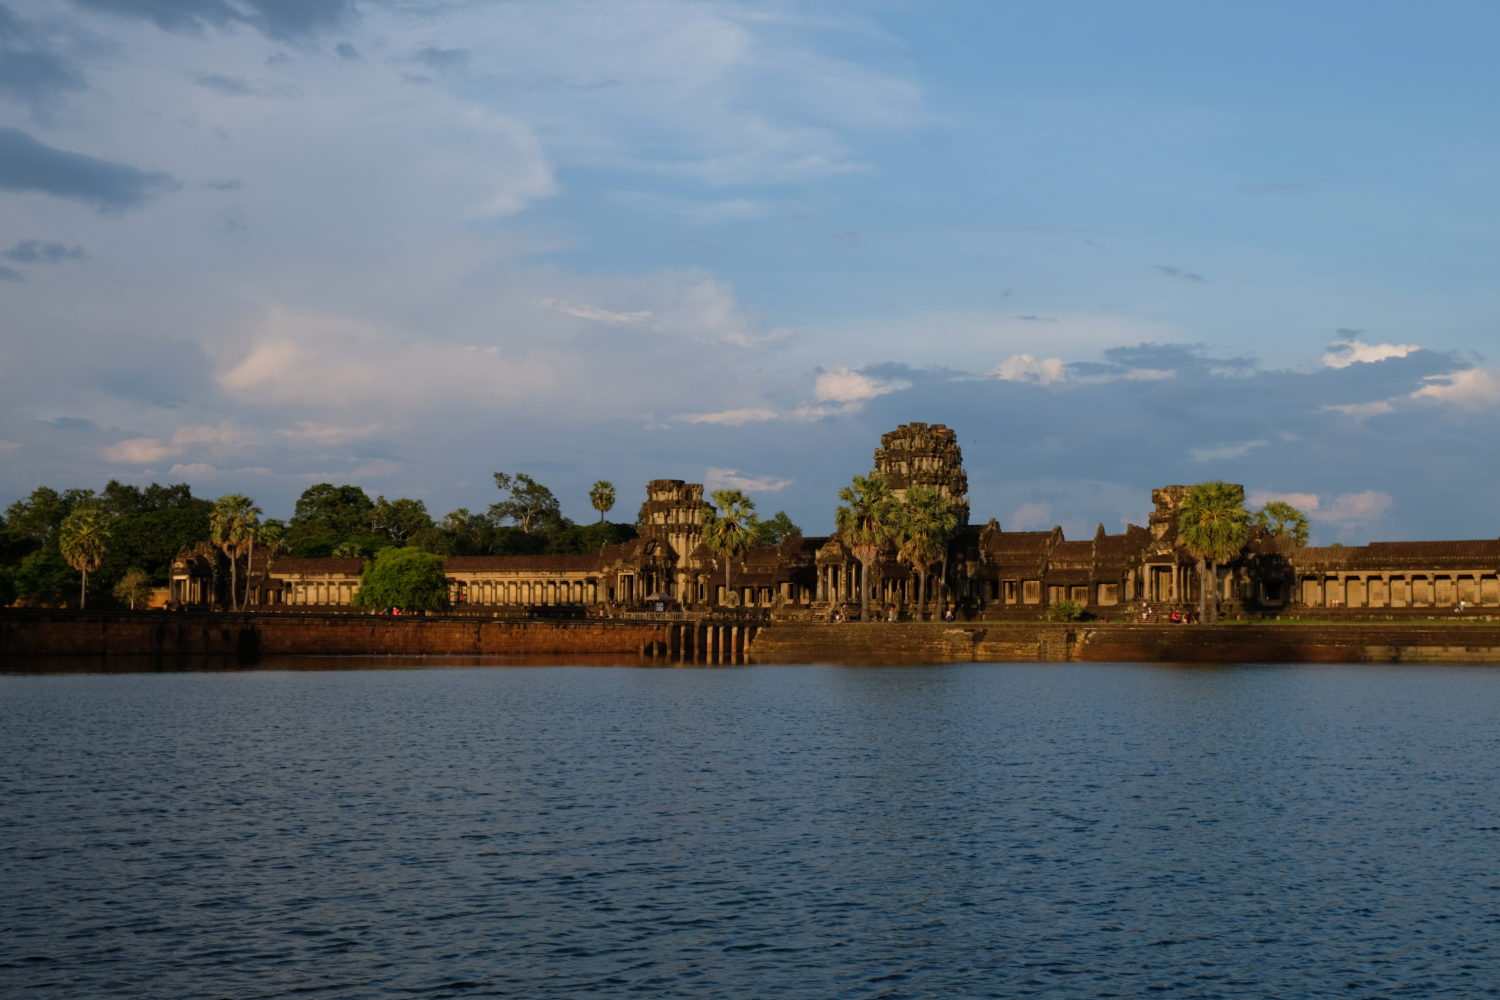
point(329, 829)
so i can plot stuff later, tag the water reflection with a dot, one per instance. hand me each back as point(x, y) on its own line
point(357, 827)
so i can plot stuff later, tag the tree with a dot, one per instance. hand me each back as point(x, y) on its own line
point(348, 550)
point(1282, 520)
point(866, 521)
point(405, 578)
point(602, 497)
point(134, 588)
point(729, 528)
point(232, 528)
point(530, 504)
point(775, 529)
point(1213, 525)
point(82, 539)
point(326, 515)
point(35, 519)
point(925, 522)
point(399, 519)
point(43, 578)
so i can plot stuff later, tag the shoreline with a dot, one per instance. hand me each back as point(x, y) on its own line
point(244, 638)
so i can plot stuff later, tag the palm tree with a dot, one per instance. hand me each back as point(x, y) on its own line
point(867, 521)
point(272, 535)
point(1213, 525)
point(729, 528)
point(925, 524)
point(82, 538)
point(232, 526)
point(602, 496)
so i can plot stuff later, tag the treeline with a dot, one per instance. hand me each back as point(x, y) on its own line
point(111, 547)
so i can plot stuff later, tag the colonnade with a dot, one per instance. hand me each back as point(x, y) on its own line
point(1398, 589)
point(580, 590)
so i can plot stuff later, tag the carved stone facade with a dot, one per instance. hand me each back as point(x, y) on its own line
point(987, 571)
point(924, 455)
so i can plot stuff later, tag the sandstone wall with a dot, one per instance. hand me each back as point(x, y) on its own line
point(248, 637)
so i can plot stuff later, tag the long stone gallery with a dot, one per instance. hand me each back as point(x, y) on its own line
point(986, 573)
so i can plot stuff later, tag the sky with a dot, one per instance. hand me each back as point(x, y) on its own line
point(254, 245)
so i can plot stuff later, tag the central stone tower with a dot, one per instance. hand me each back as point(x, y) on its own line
point(925, 455)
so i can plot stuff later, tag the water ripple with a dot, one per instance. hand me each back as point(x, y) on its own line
point(1016, 831)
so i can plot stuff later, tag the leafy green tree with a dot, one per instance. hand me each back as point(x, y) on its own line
point(776, 529)
point(925, 522)
point(729, 528)
point(1282, 520)
point(530, 504)
point(35, 520)
point(152, 526)
point(348, 550)
point(43, 578)
point(1213, 526)
point(326, 515)
point(588, 539)
point(232, 528)
point(602, 497)
point(134, 588)
point(405, 578)
point(399, 519)
point(867, 522)
point(82, 539)
point(465, 534)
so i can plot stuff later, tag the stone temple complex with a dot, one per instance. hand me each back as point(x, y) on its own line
point(989, 573)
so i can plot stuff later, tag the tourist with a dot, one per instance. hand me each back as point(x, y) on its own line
point(890, 612)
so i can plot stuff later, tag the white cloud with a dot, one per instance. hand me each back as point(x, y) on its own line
point(846, 385)
point(585, 311)
point(1029, 368)
point(730, 418)
point(1351, 350)
point(1352, 509)
point(1343, 511)
point(716, 478)
point(9, 448)
point(1360, 411)
point(1469, 389)
point(1304, 502)
point(1033, 516)
point(1225, 451)
point(337, 365)
point(138, 451)
point(146, 450)
point(330, 434)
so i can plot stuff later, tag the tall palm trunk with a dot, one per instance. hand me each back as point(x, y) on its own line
point(83, 590)
point(1202, 589)
point(234, 577)
point(864, 591)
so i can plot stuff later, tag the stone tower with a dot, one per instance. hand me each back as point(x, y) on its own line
point(673, 513)
point(924, 455)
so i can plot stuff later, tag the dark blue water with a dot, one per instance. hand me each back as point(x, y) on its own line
point(962, 831)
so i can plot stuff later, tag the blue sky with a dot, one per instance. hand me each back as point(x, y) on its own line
point(259, 244)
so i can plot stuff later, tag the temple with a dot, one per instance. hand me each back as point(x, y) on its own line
point(988, 573)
